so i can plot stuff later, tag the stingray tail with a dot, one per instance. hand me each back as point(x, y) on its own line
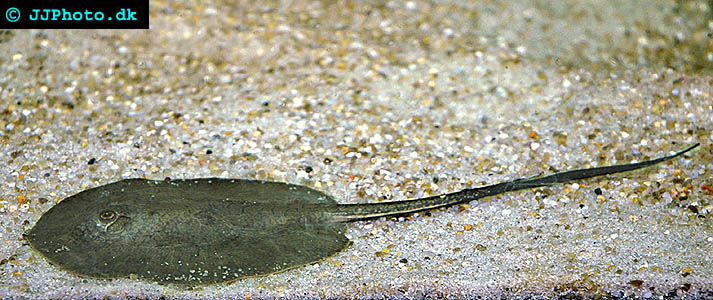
point(352, 212)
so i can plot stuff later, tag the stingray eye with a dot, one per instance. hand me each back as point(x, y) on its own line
point(107, 216)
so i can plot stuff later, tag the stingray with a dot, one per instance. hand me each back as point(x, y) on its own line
point(209, 230)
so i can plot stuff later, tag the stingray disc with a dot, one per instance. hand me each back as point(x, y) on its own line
point(192, 231)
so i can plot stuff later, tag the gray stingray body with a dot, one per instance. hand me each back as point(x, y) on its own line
point(193, 231)
point(202, 231)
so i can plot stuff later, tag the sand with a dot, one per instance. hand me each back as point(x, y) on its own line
point(373, 102)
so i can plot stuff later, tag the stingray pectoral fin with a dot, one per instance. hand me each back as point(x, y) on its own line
point(256, 254)
point(351, 212)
